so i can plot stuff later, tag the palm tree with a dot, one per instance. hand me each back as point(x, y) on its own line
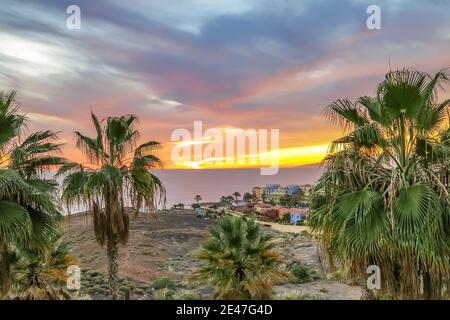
point(384, 196)
point(239, 261)
point(29, 218)
point(247, 196)
point(118, 174)
point(198, 198)
point(236, 195)
point(43, 276)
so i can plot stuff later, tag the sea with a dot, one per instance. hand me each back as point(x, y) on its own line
point(183, 185)
point(211, 184)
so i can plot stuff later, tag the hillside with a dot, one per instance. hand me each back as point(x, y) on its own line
point(160, 253)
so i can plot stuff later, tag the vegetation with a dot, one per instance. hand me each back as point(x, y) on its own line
point(384, 196)
point(226, 199)
point(118, 174)
point(198, 198)
point(302, 274)
point(39, 276)
point(29, 218)
point(248, 196)
point(239, 261)
point(236, 195)
point(179, 206)
point(293, 200)
point(164, 282)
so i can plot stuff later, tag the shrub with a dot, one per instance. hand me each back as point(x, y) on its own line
point(303, 274)
point(239, 261)
point(164, 294)
point(164, 283)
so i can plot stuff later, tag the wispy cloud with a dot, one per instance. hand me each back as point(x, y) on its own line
point(231, 63)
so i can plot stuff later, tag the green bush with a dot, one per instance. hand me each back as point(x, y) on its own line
point(303, 274)
point(165, 294)
point(164, 283)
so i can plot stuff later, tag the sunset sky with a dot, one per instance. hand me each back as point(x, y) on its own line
point(231, 64)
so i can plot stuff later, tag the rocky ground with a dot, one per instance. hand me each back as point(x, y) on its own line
point(159, 258)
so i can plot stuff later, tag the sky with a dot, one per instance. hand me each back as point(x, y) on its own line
point(234, 64)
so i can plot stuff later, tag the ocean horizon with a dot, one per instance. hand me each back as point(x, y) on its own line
point(182, 185)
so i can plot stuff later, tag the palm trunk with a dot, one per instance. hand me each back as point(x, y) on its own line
point(427, 290)
point(113, 268)
point(5, 276)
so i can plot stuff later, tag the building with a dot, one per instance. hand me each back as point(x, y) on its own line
point(200, 211)
point(297, 215)
point(258, 192)
point(261, 207)
point(269, 190)
point(274, 192)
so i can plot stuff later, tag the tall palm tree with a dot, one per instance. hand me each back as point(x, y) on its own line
point(198, 198)
point(384, 196)
point(118, 174)
point(29, 218)
point(236, 195)
point(239, 261)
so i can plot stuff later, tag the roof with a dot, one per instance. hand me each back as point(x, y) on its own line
point(298, 210)
point(263, 205)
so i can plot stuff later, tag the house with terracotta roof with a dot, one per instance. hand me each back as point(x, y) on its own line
point(297, 214)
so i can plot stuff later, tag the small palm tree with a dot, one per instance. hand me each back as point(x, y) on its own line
point(29, 218)
point(118, 174)
point(236, 195)
point(42, 276)
point(198, 198)
point(239, 261)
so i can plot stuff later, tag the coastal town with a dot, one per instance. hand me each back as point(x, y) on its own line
point(284, 204)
